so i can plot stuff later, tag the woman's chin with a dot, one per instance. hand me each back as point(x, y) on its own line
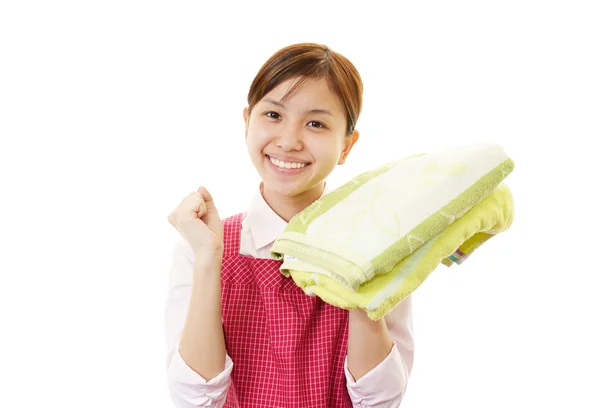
point(283, 189)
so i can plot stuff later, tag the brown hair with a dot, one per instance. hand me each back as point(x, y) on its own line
point(309, 60)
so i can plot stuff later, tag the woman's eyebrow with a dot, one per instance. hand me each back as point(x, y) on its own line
point(281, 105)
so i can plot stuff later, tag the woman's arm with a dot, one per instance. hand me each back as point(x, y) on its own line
point(369, 343)
point(190, 383)
point(202, 344)
point(384, 386)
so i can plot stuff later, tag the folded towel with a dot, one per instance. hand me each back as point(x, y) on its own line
point(374, 240)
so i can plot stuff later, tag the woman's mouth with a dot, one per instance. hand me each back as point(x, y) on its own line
point(287, 165)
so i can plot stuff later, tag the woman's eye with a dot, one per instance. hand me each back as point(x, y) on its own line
point(273, 115)
point(314, 123)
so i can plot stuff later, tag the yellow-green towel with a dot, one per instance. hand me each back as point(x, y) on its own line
point(374, 240)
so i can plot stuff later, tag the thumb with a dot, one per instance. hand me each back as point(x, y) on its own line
point(207, 197)
point(212, 215)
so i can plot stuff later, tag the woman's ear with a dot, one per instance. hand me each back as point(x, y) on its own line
point(246, 119)
point(349, 142)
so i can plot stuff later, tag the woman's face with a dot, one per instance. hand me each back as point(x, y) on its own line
point(296, 143)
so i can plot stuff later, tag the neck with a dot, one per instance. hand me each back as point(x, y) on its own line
point(288, 206)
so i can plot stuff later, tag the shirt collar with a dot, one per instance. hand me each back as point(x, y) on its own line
point(264, 224)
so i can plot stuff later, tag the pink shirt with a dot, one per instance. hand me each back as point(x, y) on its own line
point(383, 386)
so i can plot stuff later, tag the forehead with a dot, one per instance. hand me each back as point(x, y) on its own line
point(314, 93)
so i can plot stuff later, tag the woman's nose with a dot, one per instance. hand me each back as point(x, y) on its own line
point(290, 138)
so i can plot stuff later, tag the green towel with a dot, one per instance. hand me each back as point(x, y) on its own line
point(371, 242)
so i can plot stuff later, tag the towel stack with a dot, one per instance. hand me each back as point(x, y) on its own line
point(371, 242)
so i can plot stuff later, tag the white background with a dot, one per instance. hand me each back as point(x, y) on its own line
point(111, 112)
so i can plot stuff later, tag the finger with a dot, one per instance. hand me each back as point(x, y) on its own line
point(208, 199)
point(195, 204)
point(192, 206)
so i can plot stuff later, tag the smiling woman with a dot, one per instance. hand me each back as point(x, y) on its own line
point(251, 336)
point(307, 126)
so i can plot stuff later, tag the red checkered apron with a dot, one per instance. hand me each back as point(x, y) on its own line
point(288, 348)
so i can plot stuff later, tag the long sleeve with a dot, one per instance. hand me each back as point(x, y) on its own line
point(188, 389)
point(385, 385)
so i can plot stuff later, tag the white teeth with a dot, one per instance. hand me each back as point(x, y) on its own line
point(286, 165)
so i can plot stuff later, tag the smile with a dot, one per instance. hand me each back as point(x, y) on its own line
point(287, 165)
